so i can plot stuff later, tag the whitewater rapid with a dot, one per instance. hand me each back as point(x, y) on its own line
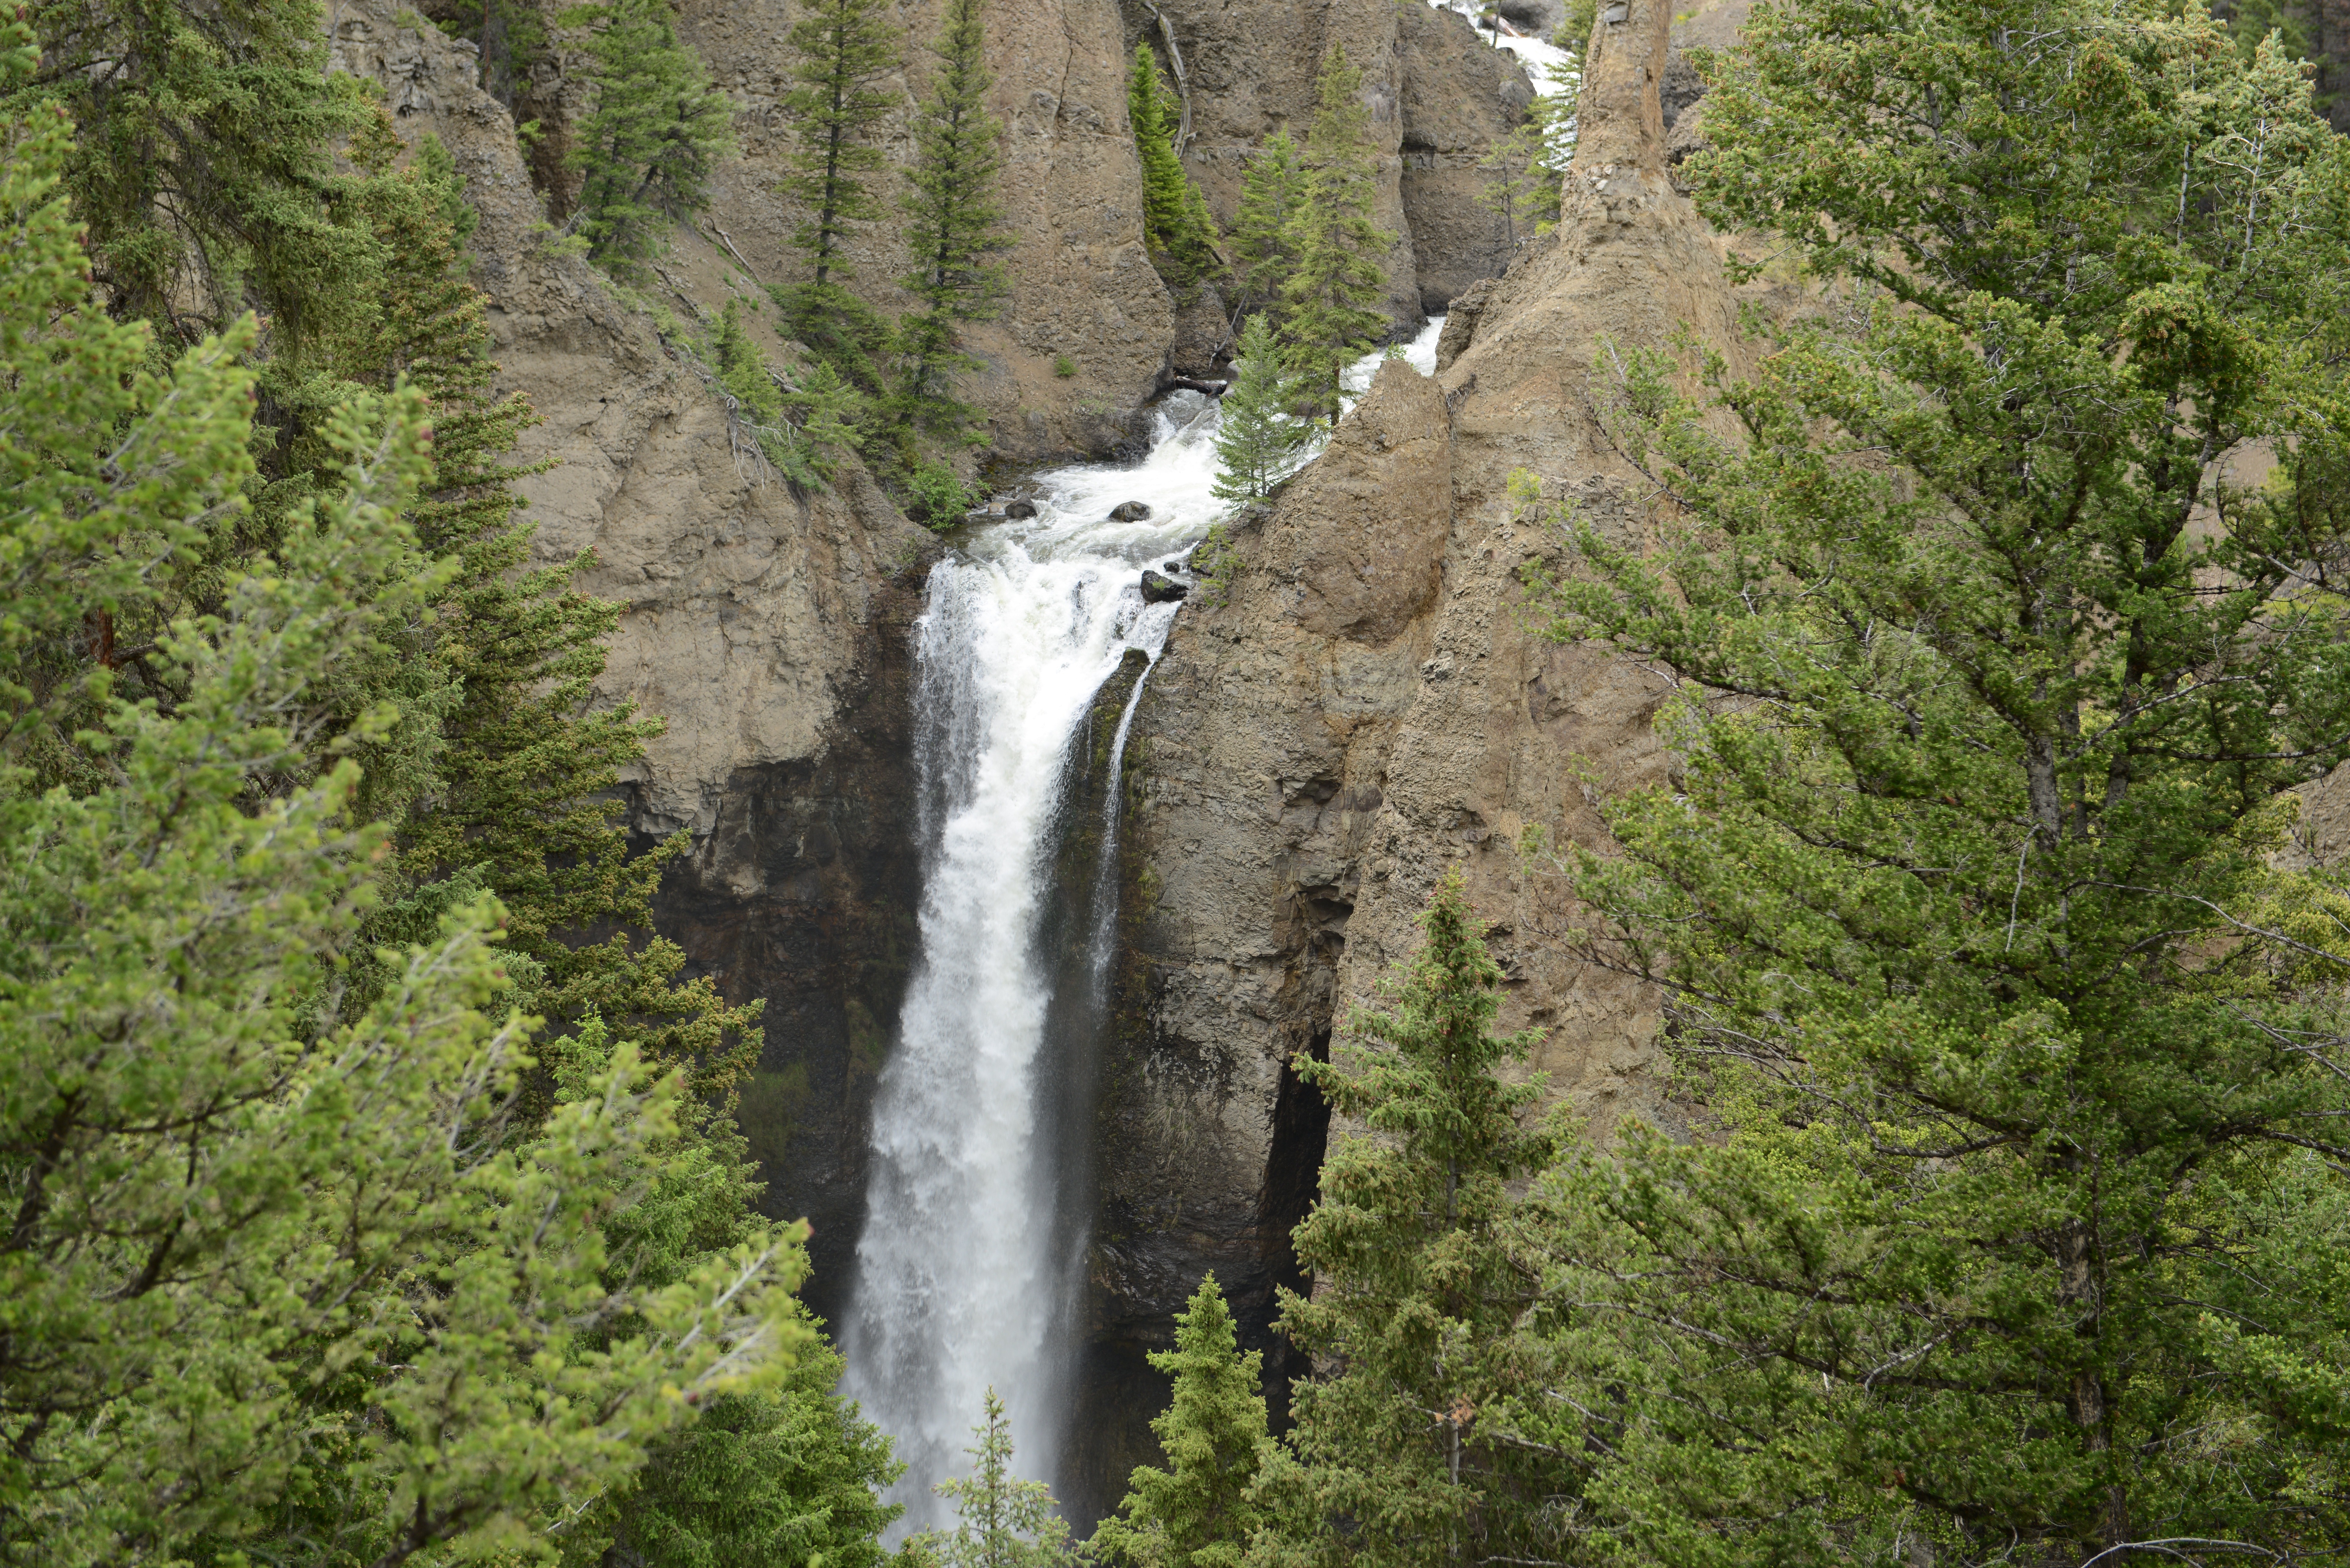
point(966, 1274)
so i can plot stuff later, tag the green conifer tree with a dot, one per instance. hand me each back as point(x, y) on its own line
point(1417, 1294)
point(1264, 243)
point(954, 223)
point(654, 130)
point(2024, 1059)
point(1333, 292)
point(1198, 1512)
point(1002, 1520)
point(841, 52)
point(1176, 225)
point(1256, 440)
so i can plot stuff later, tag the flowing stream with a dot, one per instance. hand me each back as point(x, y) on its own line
point(970, 1263)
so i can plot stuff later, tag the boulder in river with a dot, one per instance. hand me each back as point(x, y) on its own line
point(1020, 509)
point(1160, 590)
point(1130, 512)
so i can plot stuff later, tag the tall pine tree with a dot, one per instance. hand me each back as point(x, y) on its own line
point(1333, 292)
point(954, 223)
point(1198, 1512)
point(1176, 227)
point(654, 131)
point(1416, 1292)
point(841, 52)
point(1264, 242)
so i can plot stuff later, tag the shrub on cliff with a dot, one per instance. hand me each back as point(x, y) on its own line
point(654, 131)
point(2015, 1225)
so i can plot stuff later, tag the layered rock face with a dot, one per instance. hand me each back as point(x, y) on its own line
point(1439, 97)
point(769, 631)
point(1375, 705)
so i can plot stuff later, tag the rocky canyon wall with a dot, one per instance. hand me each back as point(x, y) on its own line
point(1374, 705)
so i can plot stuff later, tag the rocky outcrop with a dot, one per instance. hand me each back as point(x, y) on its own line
point(1374, 704)
point(1437, 97)
point(766, 628)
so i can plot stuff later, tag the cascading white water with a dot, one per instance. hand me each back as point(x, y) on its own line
point(962, 1273)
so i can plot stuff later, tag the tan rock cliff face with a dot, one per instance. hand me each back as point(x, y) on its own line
point(1439, 95)
point(1374, 706)
point(769, 631)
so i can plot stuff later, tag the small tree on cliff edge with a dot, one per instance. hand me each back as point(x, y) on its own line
point(1333, 294)
point(1264, 240)
point(954, 224)
point(840, 52)
point(1257, 441)
point(1175, 220)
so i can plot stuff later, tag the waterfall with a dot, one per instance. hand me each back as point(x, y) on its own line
point(971, 1259)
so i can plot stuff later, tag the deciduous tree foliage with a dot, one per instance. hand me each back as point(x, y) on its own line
point(2012, 1225)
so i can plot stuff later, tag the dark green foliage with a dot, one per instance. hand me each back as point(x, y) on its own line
point(841, 51)
point(1417, 1292)
point(1331, 297)
point(511, 35)
point(954, 224)
point(1176, 227)
point(1002, 1520)
point(200, 164)
point(654, 131)
point(1264, 238)
point(2013, 1219)
point(1257, 442)
point(1198, 1512)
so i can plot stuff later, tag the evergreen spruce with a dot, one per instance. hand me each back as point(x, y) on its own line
point(1002, 1520)
point(1256, 440)
point(1198, 1512)
point(1264, 243)
point(841, 53)
point(511, 35)
point(954, 224)
point(655, 131)
point(1333, 293)
point(1417, 1294)
point(2023, 1057)
point(800, 419)
point(201, 164)
point(1181, 235)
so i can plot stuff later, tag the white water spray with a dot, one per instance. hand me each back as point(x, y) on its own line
point(964, 1277)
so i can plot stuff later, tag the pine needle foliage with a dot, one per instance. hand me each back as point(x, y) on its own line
point(1257, 442)
point(1418, 1292)
point(2023, 1056)
point(1176, 225)
point(1332, 295)
point(1264, 241)
point(1198, 1512)
point(201, 164)
point(655, 131)
point(1002, 1520)
point(954, 222)
point(841, 53)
